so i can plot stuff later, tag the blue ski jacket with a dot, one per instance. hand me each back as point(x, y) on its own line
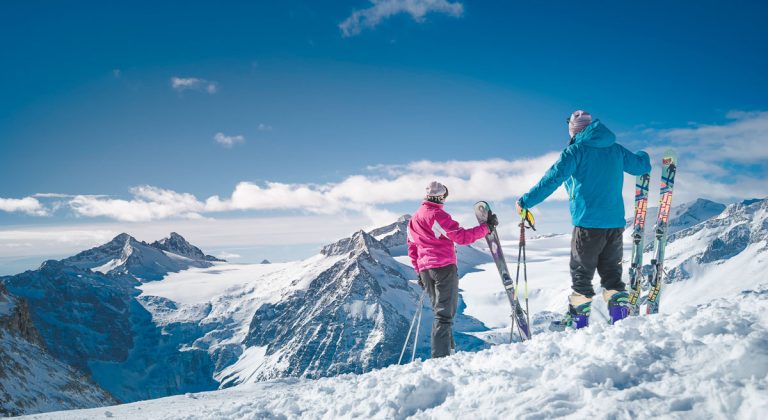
point(592, 168)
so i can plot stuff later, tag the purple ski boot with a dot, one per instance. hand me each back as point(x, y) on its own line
point(576, 318)
point(618, 305)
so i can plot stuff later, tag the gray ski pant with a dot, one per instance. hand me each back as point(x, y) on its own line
point(595, 248)
point(442, 285)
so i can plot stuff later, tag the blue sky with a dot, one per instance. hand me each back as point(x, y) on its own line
point(116, 109)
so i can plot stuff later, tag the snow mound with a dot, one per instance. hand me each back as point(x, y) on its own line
point(706, 361)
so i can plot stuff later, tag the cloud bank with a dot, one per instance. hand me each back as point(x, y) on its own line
point(468, 180)
point(382, 9)
point(721, 162)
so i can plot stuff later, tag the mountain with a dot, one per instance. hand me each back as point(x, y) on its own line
point(734, 243)
point(393, 236)
point(681, 217)
point(31, 379)
point(351, 318)
point(89, 317)
point(176, 244)
point(150, 320)
point(346, 309)
point(124, 255)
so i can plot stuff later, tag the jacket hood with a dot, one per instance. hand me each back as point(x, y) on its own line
point(596, 135)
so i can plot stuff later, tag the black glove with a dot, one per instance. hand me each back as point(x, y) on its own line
point(421, 283)
point(492, 221)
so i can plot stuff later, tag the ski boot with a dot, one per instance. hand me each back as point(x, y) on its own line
point(577, 317)
point(618, 305)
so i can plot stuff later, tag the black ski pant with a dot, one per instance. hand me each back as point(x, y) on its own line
point(601, 249)
point(442, 286)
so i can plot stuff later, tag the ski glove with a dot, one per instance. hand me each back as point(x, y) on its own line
point(492, 221)
point(421, 283)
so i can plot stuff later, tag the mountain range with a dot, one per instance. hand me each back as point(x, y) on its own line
point(130, 320)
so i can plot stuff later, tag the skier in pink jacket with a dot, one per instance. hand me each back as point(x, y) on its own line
point(431, 237)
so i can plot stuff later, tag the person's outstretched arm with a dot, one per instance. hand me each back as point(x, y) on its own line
point(636, 163)
point(553, 178)
point(453, 231)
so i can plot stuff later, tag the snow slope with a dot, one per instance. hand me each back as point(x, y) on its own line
point(706, 361)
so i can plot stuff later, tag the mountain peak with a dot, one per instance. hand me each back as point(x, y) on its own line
point(176, 244)
point(122, 238)
point(359, 242)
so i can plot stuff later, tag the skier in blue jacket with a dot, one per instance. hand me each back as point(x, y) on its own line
point(592, 168)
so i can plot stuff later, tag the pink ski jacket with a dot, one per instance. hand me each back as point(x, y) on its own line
point(431, 234)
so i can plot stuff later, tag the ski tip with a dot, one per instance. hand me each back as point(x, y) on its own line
point(670, 156)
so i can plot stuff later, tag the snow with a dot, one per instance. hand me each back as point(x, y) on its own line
point(199, 285)
point(108, 266)
point(706, 361)
point(548, 281)
point(249, 363)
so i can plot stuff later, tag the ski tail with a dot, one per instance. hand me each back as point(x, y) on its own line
point(655, 279)
point(642, 183)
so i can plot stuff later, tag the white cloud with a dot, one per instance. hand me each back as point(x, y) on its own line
point(228, 141)
point(366, 194)
point(51, 195)
point(264, 127)
point(148, 203)
point(28, 205)
point(383, 9)
point(180, 84)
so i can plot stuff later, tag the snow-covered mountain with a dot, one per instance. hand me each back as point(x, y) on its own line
point(176, 244)
point(32, 380)
point(124, 255)
point(734, 243)
point(681, 217)
point(346, 309)
point(86, 310)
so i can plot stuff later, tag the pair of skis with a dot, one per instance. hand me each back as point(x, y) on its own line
point(655, 278)
point(520, 319)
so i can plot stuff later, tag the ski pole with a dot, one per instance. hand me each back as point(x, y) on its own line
point(408, 336)
point(526, 217)
point(416, 337)
point(525, 280)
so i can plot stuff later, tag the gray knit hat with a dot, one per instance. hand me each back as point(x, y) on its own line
point(578, 121)
point(436, 189)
